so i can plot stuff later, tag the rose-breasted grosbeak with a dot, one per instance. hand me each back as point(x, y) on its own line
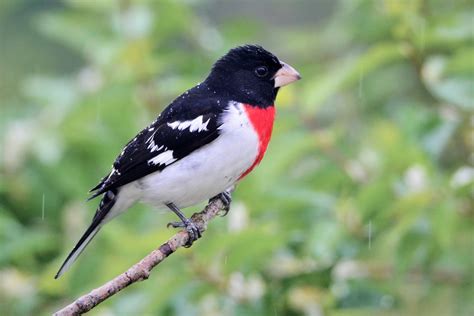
point(205, 141)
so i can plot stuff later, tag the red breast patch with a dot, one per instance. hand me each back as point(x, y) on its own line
point(262, 122)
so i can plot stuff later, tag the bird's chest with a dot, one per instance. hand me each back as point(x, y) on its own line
point(244, 134)
point(261, 120)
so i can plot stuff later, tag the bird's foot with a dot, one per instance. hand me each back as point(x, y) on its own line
point(191, 228)
point(226, 199)
point(193, 231)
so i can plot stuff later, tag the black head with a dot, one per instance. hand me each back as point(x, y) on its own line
point(250, 74)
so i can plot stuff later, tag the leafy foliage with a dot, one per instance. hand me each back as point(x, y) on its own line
point(363, 204)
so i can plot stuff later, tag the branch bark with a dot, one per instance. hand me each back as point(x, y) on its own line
point(141, 270)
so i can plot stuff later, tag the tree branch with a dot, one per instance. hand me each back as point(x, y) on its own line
point(141, 270)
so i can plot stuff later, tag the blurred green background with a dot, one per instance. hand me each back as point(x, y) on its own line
point(362, 206)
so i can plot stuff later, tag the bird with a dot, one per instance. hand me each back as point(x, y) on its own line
point(204, 142)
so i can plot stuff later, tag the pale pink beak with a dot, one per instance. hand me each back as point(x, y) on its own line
point(286, 75)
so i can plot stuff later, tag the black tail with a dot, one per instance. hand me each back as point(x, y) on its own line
point(105, 206)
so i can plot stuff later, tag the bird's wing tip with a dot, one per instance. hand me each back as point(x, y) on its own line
point(94, 195)
point(60, 271)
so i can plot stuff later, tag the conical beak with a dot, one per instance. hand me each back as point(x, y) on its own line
point(285, 75)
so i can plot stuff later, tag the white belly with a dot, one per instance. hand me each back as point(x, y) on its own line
point(207, 171)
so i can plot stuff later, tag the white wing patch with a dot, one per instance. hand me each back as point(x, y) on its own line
point(152, 146)
point(165, 158)
point(194, 125)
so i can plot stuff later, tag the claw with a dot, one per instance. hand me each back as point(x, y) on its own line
point(191, 228)
point(226, 199)
point(175, 225)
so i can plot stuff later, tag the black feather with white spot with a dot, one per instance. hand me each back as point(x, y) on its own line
point(189, 123)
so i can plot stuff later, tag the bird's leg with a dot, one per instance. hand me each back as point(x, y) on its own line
point(191, 228)
point(226, 199)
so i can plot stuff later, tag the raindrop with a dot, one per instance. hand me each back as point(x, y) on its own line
point(361, 79)
point(421, 38)
point(370, 234)
point(42, 208)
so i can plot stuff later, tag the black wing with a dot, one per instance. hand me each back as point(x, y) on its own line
point(178, 131)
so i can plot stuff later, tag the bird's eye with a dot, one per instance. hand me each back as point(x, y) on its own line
point(261, 71)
